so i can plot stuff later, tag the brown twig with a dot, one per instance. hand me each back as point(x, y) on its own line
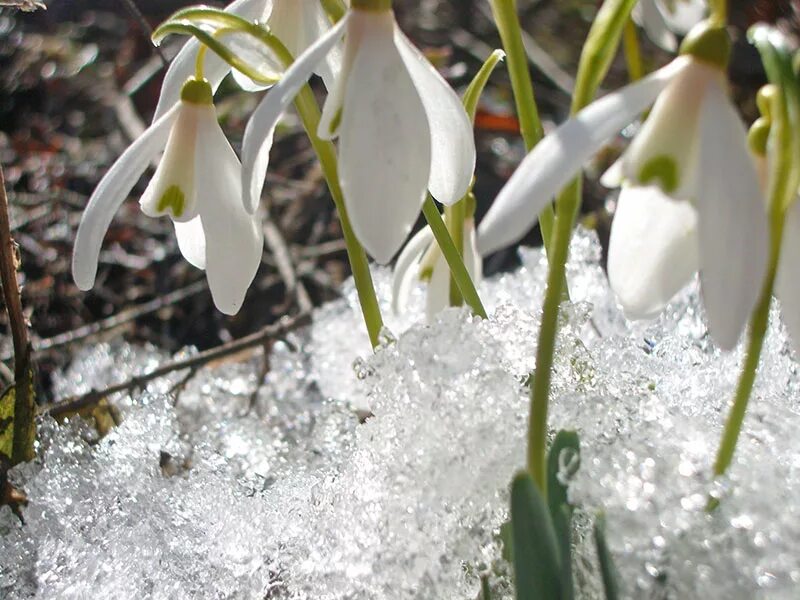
point(259, 338)
point(121, 318)
point(22, 444)
point(134, 11)
point(283, 260)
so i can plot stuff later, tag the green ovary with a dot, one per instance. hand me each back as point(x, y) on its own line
point(662, 170)
point(173, 200)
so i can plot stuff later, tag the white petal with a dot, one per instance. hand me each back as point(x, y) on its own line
point(258, 133)
point(175, 174)
point(252, 197)
point(652, 252)
point(215, 69)
point(669, 136)
point(612, 178)
point(731, 218)
point(110, 193)
point(452, 139)
point(406, 269)
point(234, 239)
point(681, 15)
point(787, 286)
point(192, 241)
point(648, 15)
point(330, 122)
point(384, 141)
point(560, 155)
point(438, 295)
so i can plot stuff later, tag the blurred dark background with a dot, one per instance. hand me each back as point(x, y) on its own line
point(81, 79)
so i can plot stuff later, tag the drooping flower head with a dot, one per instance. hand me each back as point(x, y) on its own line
point(402, 130)
point(297, 23)
point(693, 146)
point(197, 184)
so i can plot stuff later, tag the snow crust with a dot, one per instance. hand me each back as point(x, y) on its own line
point(228, 487)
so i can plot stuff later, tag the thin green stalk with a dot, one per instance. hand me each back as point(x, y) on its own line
point(335, 9)
point(596, 56)
point(568, 205)
point(507, 20)
point(453, 258)
point(633, 53)
point(307, 108)
point(454, 217)
point(744, 388)
point(719, 12)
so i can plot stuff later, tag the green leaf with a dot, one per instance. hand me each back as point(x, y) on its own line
point(563, 462)
point(607, 569)
point(486, 591)
point(562, 525)
point(478, 83)
point(564, 459)
point(537, 563)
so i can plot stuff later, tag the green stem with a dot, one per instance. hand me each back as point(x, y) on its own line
point(596, 56)
point(454, 217)
point(758, 329)
point(568, 205)
point(507, 19)
point(307, 108)
point(719, 12)
point(335, 9)
point(457, 269)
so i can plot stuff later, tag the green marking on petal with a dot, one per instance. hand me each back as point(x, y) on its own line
point(335, 122)
point(173, 200)
point(662, 170)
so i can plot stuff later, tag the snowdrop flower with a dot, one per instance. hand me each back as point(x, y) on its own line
point(662, 19)
point(297, 23)
point(693, 147)
point(421, 259)
point(197, 183)
point(402, 130)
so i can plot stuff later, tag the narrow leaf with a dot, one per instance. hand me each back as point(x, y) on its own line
point(607, 569)
point(537, 565)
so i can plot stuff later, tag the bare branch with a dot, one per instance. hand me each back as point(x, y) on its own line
point(259, 338)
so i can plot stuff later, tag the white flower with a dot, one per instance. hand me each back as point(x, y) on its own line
point(402, 130)
point(662, 19)
point(198, 184)
point(414, 258)
point(694, 147)
point(297, 23)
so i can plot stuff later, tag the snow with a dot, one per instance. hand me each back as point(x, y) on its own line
point(224, 488)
